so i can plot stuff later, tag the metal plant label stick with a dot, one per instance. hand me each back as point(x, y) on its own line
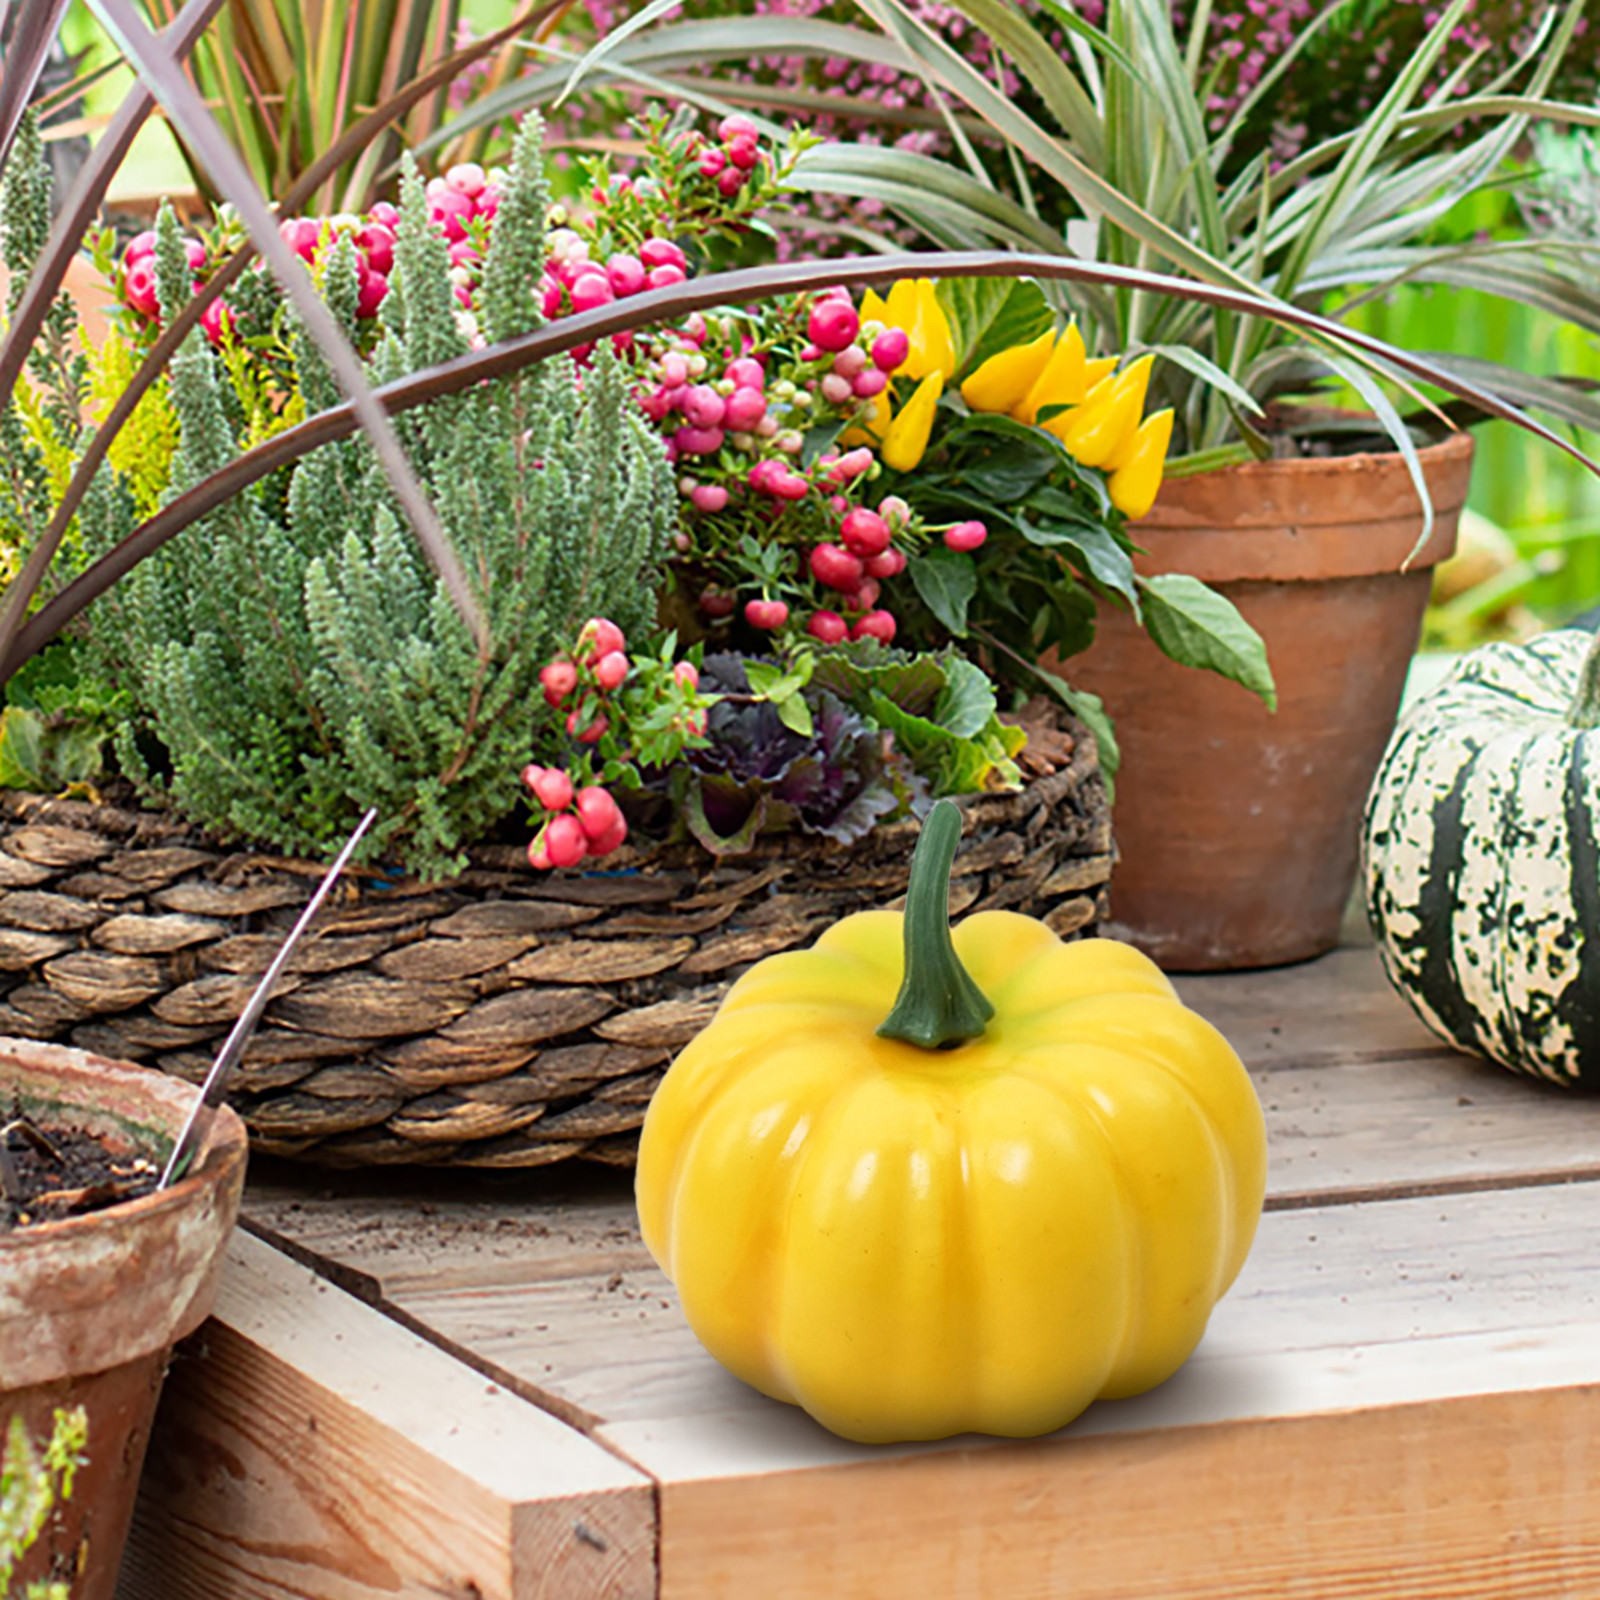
point(192, 1140)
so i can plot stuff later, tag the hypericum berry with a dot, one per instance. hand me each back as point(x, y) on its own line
point(686, 675)
point(559, 679)
point(598, 813)
point(746, 373)
point(851, 465)
point(614, 840)
point(663, 277)
point(865, 597)
point(736, 126)
point(879, 625)
point(373, 292)
point(708, 497)
point(717, 603)
point(451, 212)
point(864, 532)
point(386, 213)
point(730, 183)
point(376, 243)
point(704, 407)
point(611, 671)
point(218, 318)
point(836, 389)
point(744, 408)
point(595, 732)
point(552, 789)
point(835, 568)
point(744, 152)
point(565, 842)
point(849, 361)
point(467, 177)
point(890, 349)
point(833, 324)
point(828, 626)
point(662, 253)
point(139, 287)
point(591, 290)
point(301, 235)
point(698, 441)
point(139, 246)
point(966, 535)
point(531, 774)
point(539, 856)
point(889, 563)
point(598, 637)
point(626, 273)
point(788, 486)
point(895, 511)
point(712, 162)
point(766, 614)
point(869, 383)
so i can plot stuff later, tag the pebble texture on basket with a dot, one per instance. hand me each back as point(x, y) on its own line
point(504, 1018)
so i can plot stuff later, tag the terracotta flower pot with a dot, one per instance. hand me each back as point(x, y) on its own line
point(1237, 828)
point(91, 1306)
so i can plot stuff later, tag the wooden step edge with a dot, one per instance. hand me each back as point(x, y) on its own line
point(308, 1447)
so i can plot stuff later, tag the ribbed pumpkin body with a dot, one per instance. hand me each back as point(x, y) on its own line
point(915, 1243)
point(1481, 859)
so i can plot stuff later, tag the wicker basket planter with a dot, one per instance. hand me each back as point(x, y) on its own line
point(499, 1019)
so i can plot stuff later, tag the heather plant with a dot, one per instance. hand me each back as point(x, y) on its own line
point(33, 1482)
point(293, 661)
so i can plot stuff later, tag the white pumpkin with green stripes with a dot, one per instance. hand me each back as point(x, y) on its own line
point(1481, 857)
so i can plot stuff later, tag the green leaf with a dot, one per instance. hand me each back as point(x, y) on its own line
point(1198, 627)
point(762, 676)
point(795, 714)
point(1091, 548)
point(946, 581)
point(21, 750)
point(988, 315)
point(968, 700)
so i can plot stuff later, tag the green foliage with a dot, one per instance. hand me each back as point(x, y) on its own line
point(293, 662)
point(32, 1483)
point(57, 723)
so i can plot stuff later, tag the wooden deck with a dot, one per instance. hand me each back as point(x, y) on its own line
point(482, 1389)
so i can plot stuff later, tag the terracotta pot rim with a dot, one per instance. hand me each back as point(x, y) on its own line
point(169, 1101)
point(1458, 442)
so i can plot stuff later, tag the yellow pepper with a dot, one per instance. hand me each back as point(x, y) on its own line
point(873, 309)
point(906, 438)
point(1095, 431)
point(913, 305)
point(1060, 381)
point(1024, 1190)
point(1002, 381)
point(1137, 479)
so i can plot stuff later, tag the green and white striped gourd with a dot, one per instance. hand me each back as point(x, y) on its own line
point(1481, 857)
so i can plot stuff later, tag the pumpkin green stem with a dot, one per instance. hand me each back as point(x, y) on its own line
point(1585, 709)
point(938, 1003)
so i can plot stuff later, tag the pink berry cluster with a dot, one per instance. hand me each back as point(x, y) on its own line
point(136, 281)
point(573, 281)
point(731, 159)
point(462, 205)
point(583, 681)
point(373, 237)
point(579, 822)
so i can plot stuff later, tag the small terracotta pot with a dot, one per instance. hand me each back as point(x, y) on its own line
point(91, 1306)
point(1237, 828)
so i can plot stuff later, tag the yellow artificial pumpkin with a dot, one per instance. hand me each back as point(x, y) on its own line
point(1024, 1190)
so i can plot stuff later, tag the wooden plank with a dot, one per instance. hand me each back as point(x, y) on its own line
point(1489, 1499)
point(1339, 1008)
point(309, 1448)
point(1398, 1400)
